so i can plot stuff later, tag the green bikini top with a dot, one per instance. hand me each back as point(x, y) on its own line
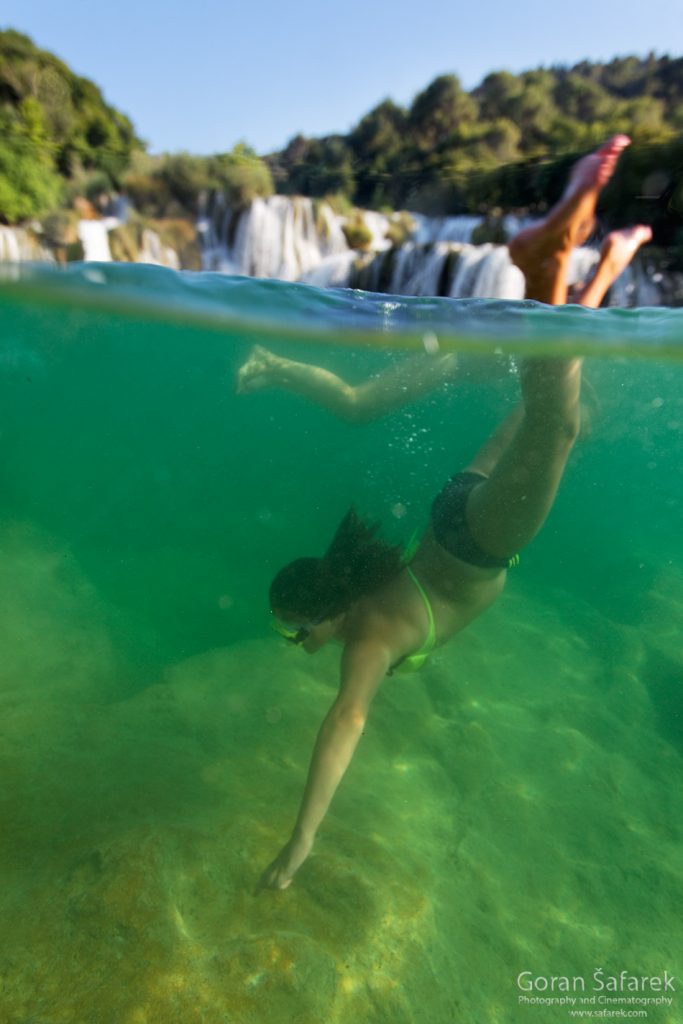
point(412, 662)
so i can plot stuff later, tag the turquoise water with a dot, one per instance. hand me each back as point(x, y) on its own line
point(514, 807)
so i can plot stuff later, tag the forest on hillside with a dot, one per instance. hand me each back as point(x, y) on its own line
point(57, 133)
point(449, 136)
point(505, 144)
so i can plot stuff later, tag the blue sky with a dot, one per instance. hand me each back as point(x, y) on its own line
point(202, 76)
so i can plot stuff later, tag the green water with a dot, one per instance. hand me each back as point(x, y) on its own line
point(514, 807)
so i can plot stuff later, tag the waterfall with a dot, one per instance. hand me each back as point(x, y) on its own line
point(94, 236)
point(154, 251)
point(297, 239)
point(334, 271)
point(462, 270)
point(279, 237)
point(378, 225)
point(17, 245)
point(292, 237)
point(444, 229)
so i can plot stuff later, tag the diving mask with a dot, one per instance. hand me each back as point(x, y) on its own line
point(293, 634)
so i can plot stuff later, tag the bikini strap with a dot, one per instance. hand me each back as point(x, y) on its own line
point(431, 634)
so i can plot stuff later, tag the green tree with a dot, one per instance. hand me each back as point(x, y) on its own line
point(503, 139)
point(379, 133)
point(497, 95)
point(440, 111)
point(377, 143)
point(29, 183)
point(241, 175)
point(534, 110)
point(80, 130)
point(645, 116)
point(583, 99)
point(318, 167)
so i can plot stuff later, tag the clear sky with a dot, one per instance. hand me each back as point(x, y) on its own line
point(202, 76)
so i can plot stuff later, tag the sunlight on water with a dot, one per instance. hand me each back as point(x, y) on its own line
point(514, 807)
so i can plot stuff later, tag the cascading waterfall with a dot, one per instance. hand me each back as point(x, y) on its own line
point(17, 245)
point(460, 228)
point(297, 239)
point(154, 251)
point(94, 236)
point(279, 237)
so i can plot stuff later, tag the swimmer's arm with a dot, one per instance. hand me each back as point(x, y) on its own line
point(364, 666)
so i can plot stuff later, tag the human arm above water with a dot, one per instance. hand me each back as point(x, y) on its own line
point(363, 667)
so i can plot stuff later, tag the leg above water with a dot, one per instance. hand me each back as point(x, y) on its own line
point(616, 253)
point(509, 509)
point(541, 250)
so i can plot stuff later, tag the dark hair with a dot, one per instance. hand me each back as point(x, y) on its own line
point(356, 563)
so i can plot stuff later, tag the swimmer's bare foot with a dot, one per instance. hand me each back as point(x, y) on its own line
point(540, 250)
point(258, 372)
point(616, 253)
point(620, 247)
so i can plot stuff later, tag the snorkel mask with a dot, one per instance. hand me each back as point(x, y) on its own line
point(291, 635)
point(294, 634)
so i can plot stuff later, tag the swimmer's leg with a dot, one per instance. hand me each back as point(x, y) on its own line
point(616, 253)
point(537, 249)
point(404, 382)
point(506, 511)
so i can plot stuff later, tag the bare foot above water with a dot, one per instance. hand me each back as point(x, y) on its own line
point(620, 247)
point(571, 220)
point(616, 253)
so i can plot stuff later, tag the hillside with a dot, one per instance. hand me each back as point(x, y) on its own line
point(505, 144)
point(56, 131)
point(434, 150)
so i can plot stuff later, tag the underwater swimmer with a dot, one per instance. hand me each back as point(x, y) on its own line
point(385, 614)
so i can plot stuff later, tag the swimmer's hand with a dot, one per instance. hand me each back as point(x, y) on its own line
point(280, 873)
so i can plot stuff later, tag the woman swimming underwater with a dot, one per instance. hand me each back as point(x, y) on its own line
point(388, 615)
